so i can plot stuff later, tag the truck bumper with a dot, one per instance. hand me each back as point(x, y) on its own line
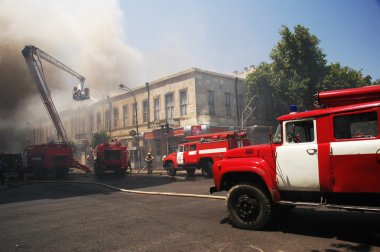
point(213, 189)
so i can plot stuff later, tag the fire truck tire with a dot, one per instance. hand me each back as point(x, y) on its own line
point(207, 169)
point(98, 172)
point(39, 172)
point(62, 172)
point(20, 175)
point(171, 169)
point(190, 172)
point(248, 207)
point(119, 172)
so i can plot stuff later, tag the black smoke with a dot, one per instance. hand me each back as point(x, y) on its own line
point(16, 89)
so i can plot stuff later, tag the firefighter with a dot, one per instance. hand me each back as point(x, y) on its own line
point(129, 164)
point(149, 160)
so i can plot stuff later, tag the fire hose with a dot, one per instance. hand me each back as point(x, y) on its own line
point(133, 191)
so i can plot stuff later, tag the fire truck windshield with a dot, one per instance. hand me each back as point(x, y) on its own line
point(277, 136)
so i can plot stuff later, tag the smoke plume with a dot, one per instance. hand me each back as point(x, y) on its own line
point(87, 36)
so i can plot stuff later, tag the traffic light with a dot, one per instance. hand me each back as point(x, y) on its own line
point(166, 128)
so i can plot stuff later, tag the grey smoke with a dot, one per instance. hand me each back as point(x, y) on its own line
point(88, 37)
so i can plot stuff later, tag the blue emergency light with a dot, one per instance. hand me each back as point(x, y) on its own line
point(293, 108)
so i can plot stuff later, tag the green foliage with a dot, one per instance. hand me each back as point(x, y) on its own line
point(299, 69)
point(100, 137)
point(261, 77)
point(298, 65)
point(338, 77)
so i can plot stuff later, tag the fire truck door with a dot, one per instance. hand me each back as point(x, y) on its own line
point(355, 153)
point(192, 154)
point(297, 158)
point(180, 155)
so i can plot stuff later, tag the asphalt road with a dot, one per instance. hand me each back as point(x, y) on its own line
point(87, 217)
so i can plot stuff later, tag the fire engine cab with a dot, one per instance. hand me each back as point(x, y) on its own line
point(110, 156)
point(328, 157)
point(202, 151)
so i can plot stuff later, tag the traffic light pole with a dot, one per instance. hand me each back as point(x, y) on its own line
point(137, 137)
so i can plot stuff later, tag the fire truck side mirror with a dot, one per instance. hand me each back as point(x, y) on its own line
point(270, 135)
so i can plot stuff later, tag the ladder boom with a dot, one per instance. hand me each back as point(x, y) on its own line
point(33, 57)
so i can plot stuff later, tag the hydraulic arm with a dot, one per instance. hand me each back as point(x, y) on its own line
point(33, 57)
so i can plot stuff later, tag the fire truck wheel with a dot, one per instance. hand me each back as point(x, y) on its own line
point(21, 175)
point(171, 170)
point(248, 207)
point(207, 169)
point(62, 172)
point(98, 172)
point(190, 172)
point(39, 172)
point(119, 171)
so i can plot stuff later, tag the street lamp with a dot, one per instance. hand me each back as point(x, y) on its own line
point(125, 88)
point(34, 132)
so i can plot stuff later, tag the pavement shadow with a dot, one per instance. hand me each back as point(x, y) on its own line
point(347, 226)
point(344, 227)
point(19, 191)
point(81, 184)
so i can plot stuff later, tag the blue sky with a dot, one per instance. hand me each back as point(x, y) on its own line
point(224, 36)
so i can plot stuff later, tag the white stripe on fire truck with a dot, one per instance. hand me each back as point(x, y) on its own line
point(208, 151)
point(355, 147)
point(191, 153)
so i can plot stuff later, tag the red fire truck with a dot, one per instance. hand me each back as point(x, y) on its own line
point(202, 151)
point(58, 157)
point(110, 156)
point(47, 158)
point(328, 157)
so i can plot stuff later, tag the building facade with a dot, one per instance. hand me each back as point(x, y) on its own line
point(190, 102)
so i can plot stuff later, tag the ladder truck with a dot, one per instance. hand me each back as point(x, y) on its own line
point(51, 157)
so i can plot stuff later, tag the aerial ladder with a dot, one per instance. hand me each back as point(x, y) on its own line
point(33, 57)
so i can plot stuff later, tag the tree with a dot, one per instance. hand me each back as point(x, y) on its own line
point(261, 77)
point(298, 66)
point(100, 137)
point(298, 70)
point(338, 77)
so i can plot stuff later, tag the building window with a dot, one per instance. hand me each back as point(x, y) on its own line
point(125, 115)
point(108, 120)
point(169, 105)
point(157, 143)
point(115, 118)
point(98, 121)
point(157, 109)
point(227, 103)
point(145, 111)
point(134, 107)
point(211, 109)
point(183, 102)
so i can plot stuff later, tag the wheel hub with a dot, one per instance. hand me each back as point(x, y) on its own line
point(247, 207)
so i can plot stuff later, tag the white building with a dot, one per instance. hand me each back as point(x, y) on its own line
point(189, 101)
